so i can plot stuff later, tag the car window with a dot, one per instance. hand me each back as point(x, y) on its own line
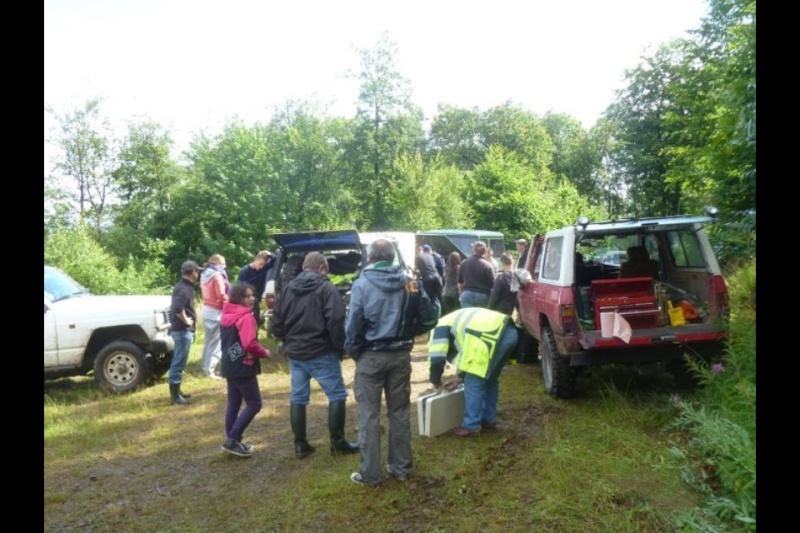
point(685, 249)
point(59, 286)
point(552, 258)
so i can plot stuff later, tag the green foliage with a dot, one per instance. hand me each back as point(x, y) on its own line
point(428, 196)
point(509, 196)
point(76, 252)
point(733, 237)
point(722, 419)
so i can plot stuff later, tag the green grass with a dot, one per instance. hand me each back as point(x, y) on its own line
point(604, 461)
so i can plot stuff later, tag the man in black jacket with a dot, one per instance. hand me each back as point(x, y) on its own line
point(309, 319)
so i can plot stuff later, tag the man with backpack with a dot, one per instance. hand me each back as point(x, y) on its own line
point(387, 310)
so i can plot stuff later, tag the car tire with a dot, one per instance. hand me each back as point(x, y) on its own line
point(559, 377)
point(121, 367)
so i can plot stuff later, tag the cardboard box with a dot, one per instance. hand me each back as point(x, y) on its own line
point(439, 412)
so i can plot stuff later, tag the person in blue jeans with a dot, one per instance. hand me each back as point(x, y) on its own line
point(477, 342)
point(181, 328)
point(309, 319)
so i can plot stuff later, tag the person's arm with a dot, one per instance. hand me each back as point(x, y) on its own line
point(334, 311)
point(354, 337)
point(438, 347)
point(218, 285)
point(247, 334)
point(497, 292)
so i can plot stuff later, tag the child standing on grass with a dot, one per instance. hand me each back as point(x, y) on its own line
point(240, 366)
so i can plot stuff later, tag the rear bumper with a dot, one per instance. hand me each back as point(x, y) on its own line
point(649, 345)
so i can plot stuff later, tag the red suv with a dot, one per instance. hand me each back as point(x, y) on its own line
point(666, 297)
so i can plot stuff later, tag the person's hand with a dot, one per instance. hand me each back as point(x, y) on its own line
point(269, 354)
point(452, 384)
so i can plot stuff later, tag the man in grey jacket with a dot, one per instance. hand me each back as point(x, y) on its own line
point(387, 310)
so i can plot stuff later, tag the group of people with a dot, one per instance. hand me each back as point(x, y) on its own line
point(388, 309)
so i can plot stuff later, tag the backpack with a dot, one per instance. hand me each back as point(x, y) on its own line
point(420, 312)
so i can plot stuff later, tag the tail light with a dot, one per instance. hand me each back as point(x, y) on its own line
point(569, 319)
point(718, 301)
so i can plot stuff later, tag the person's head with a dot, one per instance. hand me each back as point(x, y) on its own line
point(381, 250)
point(261, 259)
point(479, 248)
point(242, 294)
point(521, 245)
point(317, 262)
point(506, 261)
point(216, 260)
point(427, 248)
point(190, 270)
point(454, 259)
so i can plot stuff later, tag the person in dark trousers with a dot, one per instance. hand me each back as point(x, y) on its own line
point(450, 292)
point(475, 278)
point(431, 280)
point(240, 366)
point(309, 319)
point(181, 328)
point(387, 310)
point(256, 275)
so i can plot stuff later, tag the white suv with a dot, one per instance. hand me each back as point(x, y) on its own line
point(123, 339)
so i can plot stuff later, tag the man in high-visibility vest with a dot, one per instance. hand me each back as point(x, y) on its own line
point(477, 342)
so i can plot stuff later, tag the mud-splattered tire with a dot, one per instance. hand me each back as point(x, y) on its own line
point(121, 367)
point(559, 377)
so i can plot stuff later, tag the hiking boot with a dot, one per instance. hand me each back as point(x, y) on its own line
point(237, 448)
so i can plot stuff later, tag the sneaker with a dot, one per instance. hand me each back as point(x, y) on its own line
point(237, 448)
point(398, 477)
point(247, 446)
point(213, 375)
point(356, 478)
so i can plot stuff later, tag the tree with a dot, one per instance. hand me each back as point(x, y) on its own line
point(145, 181)
point(387, 125)
point(87, 157)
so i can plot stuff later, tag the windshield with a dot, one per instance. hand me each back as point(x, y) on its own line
point(59, 286)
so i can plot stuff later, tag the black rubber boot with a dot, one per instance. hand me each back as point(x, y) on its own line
point(183, 394)
point(336, 416)
point(297, 416)
point(175, 393)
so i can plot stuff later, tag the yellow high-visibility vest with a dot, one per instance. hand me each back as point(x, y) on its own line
point(476, 334)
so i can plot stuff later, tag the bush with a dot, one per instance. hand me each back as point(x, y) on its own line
point(722, 420)
point(76, 252)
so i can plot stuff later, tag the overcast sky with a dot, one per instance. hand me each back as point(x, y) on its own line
point(195, 64)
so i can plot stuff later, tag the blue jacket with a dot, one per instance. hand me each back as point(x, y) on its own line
point(387, 310)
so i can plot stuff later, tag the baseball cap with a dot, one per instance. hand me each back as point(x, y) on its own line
point(522, 241)
point(189, 266)
point(426, 247)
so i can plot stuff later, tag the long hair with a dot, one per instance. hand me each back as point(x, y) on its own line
point(453, 262)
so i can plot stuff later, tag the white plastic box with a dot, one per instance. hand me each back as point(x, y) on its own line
point(439, 412)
